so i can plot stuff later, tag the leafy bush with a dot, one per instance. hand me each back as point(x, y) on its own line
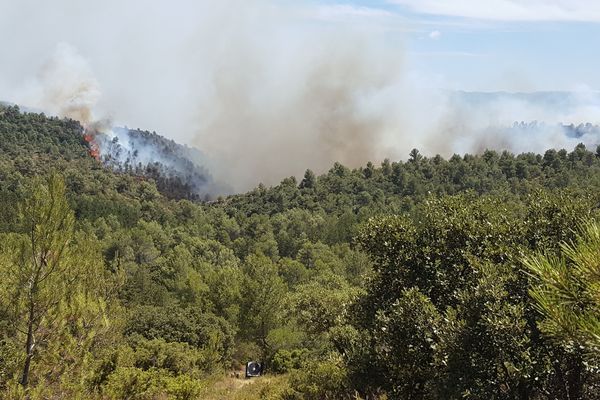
point(287, 360)
point(320, 380)
point(133, 383)
point(177, 358)
point(137, 384)
point(205, 331)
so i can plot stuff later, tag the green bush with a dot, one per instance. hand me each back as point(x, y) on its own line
point(183, 387)
point(177, 358)
point(136, 384)
point(319, 381)
point(133, 384)
point(173, 324)
point(287, 360)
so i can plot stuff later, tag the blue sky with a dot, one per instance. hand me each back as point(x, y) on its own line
point(490, 45)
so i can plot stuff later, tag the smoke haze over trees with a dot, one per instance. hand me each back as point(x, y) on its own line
point(264, 90)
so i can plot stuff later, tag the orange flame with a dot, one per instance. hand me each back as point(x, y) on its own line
point(94, 149)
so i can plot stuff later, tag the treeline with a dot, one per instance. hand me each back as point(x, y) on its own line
point(470, 277)
point(398, 186)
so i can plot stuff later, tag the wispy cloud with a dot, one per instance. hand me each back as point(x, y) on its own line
point(360, 17)
point(435, 35)
point(509, 10)
point(337, 11)
point(446, 54)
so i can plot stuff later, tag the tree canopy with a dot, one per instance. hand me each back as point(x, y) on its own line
point(469, 277)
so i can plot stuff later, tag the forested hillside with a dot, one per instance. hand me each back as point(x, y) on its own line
point(471, 277)
point(146, 153)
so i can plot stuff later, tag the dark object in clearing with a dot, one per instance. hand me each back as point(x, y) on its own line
point(253, 369)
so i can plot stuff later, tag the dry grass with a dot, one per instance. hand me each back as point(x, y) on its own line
point(232, 388)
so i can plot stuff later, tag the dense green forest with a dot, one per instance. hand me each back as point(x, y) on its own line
point(473, 277)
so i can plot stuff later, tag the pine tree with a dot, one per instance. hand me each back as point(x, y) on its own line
point(52, 280)
point(566, 292)
point(309, 181)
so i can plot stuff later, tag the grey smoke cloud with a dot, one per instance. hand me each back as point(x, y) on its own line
point(281, 98)
point(264, 89)
point(65, 85)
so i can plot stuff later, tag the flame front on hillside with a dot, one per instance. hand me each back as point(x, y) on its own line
point(93, 147)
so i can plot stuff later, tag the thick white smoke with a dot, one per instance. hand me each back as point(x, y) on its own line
point(278, 98)
point(264, 89)
point(65, 85)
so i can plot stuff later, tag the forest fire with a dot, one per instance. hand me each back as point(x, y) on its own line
point(94, 149)
point(175, 168)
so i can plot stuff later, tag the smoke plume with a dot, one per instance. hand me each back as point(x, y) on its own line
point(65, 86)
point(267, 89)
